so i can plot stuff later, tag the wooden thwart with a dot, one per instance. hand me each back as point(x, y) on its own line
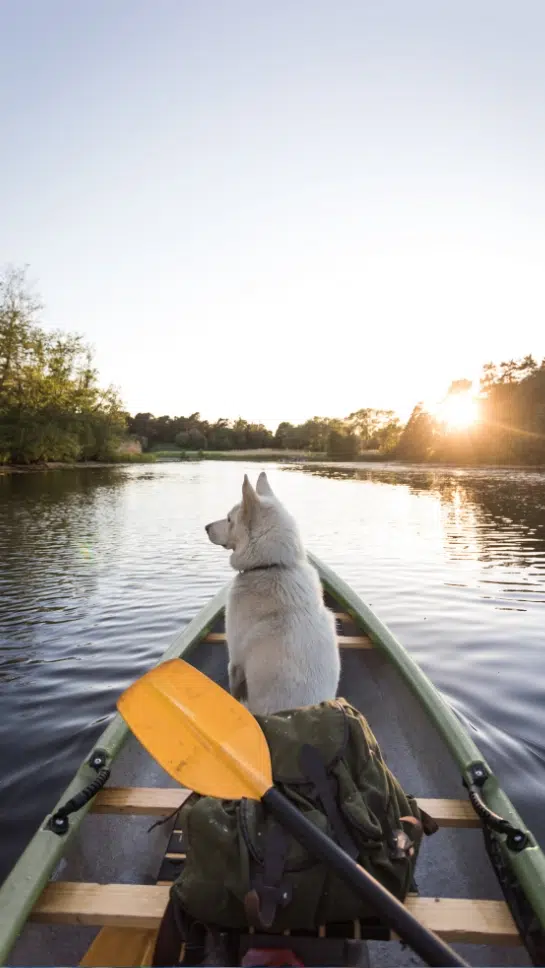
point(354, 642)
point(345, 641)
point(145, 801)
point(450, 813)
point(141, 907)
point(161, 801)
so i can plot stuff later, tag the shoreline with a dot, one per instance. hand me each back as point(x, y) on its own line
point(302, 458)
point(58, 466)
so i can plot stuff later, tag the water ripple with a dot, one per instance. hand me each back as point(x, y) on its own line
point(101, 568)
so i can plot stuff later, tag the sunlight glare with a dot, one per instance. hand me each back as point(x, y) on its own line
point(458, 411)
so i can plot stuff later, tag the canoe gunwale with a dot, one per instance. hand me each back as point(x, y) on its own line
point(29, 876)
point(528, 865)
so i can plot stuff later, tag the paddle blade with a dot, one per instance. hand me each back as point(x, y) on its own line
point(198, 733)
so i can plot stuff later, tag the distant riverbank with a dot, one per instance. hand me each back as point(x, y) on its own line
point(157, 457)
point(260, 456)
point(57, 465)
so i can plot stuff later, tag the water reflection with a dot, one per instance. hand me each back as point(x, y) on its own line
point(100, 568)
point(65, 520)
point(496, 516)
point(454, 561)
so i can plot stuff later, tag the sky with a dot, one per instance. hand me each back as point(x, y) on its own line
point(284, 209)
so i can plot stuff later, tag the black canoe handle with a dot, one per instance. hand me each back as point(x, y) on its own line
point(425, 943)
point(59, 822)
point(516, 839)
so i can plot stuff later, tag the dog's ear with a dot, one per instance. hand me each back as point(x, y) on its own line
point(263, 488)
point(249, 498)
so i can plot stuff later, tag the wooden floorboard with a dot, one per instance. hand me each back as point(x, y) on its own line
point(141, 907)
point(120, 947)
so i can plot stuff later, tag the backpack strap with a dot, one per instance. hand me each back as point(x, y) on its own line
point(269, 890)
point(176, 931)
point(314, 768)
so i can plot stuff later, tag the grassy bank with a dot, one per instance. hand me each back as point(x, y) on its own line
point(283, 456)
point(172, 454)
point(261, 454)
point(57, 465)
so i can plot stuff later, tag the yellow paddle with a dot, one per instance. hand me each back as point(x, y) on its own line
point(210, 743)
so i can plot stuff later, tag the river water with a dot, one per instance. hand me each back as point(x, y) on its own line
point(99, 569)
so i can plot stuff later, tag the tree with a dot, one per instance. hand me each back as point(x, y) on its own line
point(361, 423)
point(284, 433)
point(387, 437)
point(513, 411)
point(511, 424)
point(51, 407)
point(508, 371)
point(197, 440)
point(182, 439)
point(219, 435)
point(20, 337)
point(376, 429)
point(258, 436)
point(459, 386)
point(343, 445)
point(239, 434)
point(418, 436)
point(489, 376)
point(142, 425)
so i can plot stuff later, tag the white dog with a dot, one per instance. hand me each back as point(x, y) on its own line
point(282, 642)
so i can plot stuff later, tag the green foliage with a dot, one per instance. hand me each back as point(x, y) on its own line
point(132, 458)
point(310, 436)
point(194, 434)
point(51, 407)
point(182, 439)
point(418, 437)
point(376, 429)
point(343, 445)
point(171, 453)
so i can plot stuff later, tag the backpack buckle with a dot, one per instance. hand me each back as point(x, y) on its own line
point(261, 903)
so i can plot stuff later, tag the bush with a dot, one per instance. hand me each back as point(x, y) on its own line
point(343, 445)
point(132, 459)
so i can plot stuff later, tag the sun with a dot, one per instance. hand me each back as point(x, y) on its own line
point(458, 411)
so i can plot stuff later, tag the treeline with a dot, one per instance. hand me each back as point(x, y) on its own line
point(193, 433)
point(509, 429)
point(51, 406)
point(361, 431)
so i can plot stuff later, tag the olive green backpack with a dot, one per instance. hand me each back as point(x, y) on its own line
point(242, 869)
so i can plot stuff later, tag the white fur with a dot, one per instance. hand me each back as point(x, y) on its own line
point(282, 643)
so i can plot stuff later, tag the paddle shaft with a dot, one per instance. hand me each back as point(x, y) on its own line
point(424, 942)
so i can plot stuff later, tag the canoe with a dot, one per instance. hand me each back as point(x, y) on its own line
point(94, 894)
